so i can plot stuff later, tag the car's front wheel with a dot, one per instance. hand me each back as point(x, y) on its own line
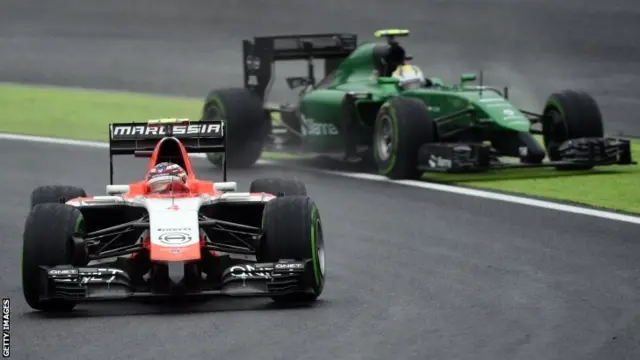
point(48, 241)
point(402, 126)
point(293, 230)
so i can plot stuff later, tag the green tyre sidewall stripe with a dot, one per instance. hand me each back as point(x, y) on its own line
point(215, 158)
point(555, 105)
point(79, 223)
point(315, 219)
point(218, 103)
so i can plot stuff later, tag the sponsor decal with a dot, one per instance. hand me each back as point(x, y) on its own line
point(523, 151)
point(439, 162)
point(312, 128)
point(129, 132)
point(252, 62)
point(508, 112)
point(173, 208)
point(248, 271)
point(63, 272)
point(174, 229)
point(99, 276)
point(434, 109)
point(6, 327)
point(252, 81)
point(289, 266)
point(174, 238)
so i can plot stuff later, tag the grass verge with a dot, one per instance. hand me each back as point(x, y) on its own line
point(78, 114)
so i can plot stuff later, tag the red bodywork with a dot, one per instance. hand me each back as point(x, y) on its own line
point(195, 186)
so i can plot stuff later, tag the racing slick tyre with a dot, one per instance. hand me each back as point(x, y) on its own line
point(246, 126)
point(48, 240)
point(402, 126)
point(278, 187)
point(293, 230)
point(570, 115)
point(55, 194)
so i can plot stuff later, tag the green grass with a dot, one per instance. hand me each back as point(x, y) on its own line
point(79, 114)
point(610, 187)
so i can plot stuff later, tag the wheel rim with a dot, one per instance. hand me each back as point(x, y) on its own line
point(384, 138)
point(320, 247)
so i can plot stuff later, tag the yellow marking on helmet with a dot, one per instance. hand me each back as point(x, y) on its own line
point(406, 68)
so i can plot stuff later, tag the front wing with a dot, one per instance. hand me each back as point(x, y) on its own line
point(107, 283)
point(575, 153)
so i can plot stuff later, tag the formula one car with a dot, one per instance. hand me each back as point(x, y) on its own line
point(205, 239)
point(360, 111)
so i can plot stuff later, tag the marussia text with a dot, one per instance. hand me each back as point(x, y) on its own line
point(6, 328)
point(130, 130)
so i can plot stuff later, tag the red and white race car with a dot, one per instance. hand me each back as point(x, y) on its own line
point(203, 238)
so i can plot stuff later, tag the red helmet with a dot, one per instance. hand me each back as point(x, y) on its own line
point(165, 177)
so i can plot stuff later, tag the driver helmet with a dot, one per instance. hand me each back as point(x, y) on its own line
point(167, 176)
point(409, 76)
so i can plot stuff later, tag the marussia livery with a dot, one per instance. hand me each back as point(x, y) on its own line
point(207, 239)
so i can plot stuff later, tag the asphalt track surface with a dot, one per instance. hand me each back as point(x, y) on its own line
point(413, 274)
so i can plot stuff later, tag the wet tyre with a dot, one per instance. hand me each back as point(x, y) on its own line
point(293, 230)
point(247, 125)
point(48, 241)
point(570, 115)
point(402, 126)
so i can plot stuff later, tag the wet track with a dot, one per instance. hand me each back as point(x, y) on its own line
point(413, 274)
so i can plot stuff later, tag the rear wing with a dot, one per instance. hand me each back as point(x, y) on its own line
point(196, 136)
point(261, 53)
point(140, 139)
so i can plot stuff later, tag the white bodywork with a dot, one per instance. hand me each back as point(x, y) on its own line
point(221, 186)
point(173, 221)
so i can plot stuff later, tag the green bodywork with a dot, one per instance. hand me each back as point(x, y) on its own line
point(323, 104)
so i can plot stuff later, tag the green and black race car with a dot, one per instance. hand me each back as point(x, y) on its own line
point(360, 111)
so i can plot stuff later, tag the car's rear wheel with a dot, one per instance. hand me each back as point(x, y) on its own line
point(570, 115)
point(48, 241)
point(402, 126)
point(293, 230)
point(246, 125)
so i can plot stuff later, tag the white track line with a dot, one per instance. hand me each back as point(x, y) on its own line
point(372, 177)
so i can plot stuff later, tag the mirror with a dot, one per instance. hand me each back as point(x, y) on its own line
point(467, 77)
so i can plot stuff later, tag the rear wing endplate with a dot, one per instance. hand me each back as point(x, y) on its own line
point(260, 54)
